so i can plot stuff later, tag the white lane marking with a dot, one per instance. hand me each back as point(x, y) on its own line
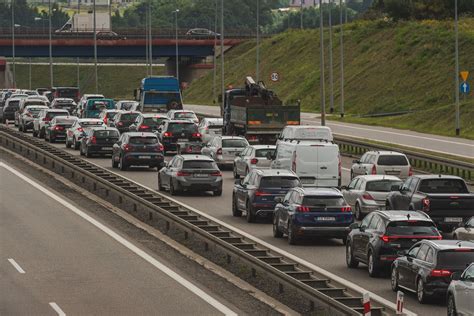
point(326, 273)
point(179, 279)
point(16, 265)
point(57, 309)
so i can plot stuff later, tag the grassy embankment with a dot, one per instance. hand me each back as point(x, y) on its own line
point(389, 67)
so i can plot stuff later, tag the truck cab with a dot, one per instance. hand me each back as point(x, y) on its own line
point(159, 94)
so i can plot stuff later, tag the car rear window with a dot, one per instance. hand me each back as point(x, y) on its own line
point(312, 133)
point(106, 133)
point(34, 110)
point(392, 160)
point(409, 228)
point(181, 115)
point(323, 201)
point(153, 121)
point(199, 164)
point(14, 103)
point(459, 258)
point(65, 121)
point(279, 182)
point(182, 127)
point(129, 117)
point(143, 140)
point(381, 185)
point(443, 186)
point(234, 143)
point(111, 114)
point(87, 123)
point(127, 106)
point(264, 152)
point(53, 114)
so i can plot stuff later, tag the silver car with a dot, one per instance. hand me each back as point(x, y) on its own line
point(367, 193)
point(75, 133)
point(461, 293)
point(382, 162)
point(253, 157)
point(44, 117)
point(210, 128)
point(190, 173)
point(223, 149)
point(465, 231)
point(25, 121)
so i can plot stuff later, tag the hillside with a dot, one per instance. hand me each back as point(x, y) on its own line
point(389, 67)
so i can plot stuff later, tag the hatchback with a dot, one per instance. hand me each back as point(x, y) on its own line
point(64, 103)
point(148, 122)
point(223, 149)
point(44, 118)
point(138, 149)
point(209, 128)
point(56, 129)
point(183, 115)
point(123, 119)
point(253, 157)
point(177, 131)
point(99, 141)
point(25, 121)
point(75, 133)
point(108, 116)
point(382, 162)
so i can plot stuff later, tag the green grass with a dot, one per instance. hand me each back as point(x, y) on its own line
point(389, 67)
point(117, 82)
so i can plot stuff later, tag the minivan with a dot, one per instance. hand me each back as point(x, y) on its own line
point(305, 132)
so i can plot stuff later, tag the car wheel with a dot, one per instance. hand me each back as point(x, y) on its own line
point(236, 175)
point(350, 260)
point(372, 265)
point(75, 144)
point(50, 139)
point(235, 210)
point(173, 191)
point(277, 233)
point(35, 134)
point(114, 163)
point(420, 291)
point(160, 186)
point(250, 214)
point(292, 238)
point(81, 152)
point(19, 128)
point(358, 212)
point(218, 192)
point(394, 279)
point(352, 174)
point(452, 306)
point(42, 133)
point(87, 153)
point(68, 144)
point(122, 165)
point(344, 240)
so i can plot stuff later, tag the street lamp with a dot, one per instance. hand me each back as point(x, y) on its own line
point(176, 42)
point(13, 44)
point(95, 50)
point(50, 46)
point(458, 123)
point(321, 39)
point(257, 71)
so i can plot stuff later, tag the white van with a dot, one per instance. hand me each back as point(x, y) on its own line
point(305, 132)
point(318, 164)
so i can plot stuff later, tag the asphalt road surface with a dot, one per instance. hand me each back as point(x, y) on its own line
point(435, 143)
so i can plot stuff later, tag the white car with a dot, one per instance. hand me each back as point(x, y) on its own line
point(75, 133)
point(183, 115)
point(82, 102)
point(33, 100)
point(30, 112)
point(305, 132)
point(253, 157)
point(382, 162)
point(461, 293)
point(465, 231)
point(223, 149)
point(43, 119)
point(127, 105)
point(210, 128)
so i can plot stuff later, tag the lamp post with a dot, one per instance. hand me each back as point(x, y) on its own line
point(13, 44)
point(458, 123)
point(214, 57)
point(51, 78)
point(321, 39)
point(341, 24)
point(222, 55)
point(95, 49)
point(176, 42)
point(257, 70)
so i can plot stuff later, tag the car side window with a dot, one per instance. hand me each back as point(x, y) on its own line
point(430, 255)
point(247, 178)
point(366, 221)
point(353, 183)
point(413, 184)
point(421, 255)
point(360, 184)
point(406, 184)
point(372, 159)
point(288, 197)
point(363, 158)
point(413, 251)
point(374, 222)
point(252, 179)
point(469, 273)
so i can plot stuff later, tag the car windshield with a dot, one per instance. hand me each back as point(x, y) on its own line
point(181, 115)
point(279, 182)
point(392, 160)
point(14, 103)
point(443, 186)
point(323, 201)
point(153, 121)
point(53, 114)
point(143, 140)
point(182, 127)
point(457, 258)
point(410, 228)
point(381, 185)
point(234, 143)
point(199, 164)
point(264, 152)
point(129, 117)
point(312, 133)
point(107, 133)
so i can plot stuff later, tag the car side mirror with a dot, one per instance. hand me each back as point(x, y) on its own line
point(345, 187)
point(395, 187)
point(278, 199)
point(456, 275)
point(355, 161)
point(354, 226)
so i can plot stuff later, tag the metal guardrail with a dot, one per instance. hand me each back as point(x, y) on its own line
point(294, 284)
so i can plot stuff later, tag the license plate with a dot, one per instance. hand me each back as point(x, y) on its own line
point(106, 148)
point(144, 157)
point(200, 175)
point(453, 219)
point(325, 218)
point(307, 181)
point(182, 139)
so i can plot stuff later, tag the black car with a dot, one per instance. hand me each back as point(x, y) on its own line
point(139, 149)
point(379, 238)
point(56, 129)
point(123, 119)
point(177, 131)
point(306, 212)
point(99, 141)
point(64, 103)
point(11, 106)
point(255, 194)
point(427, 267)
point(148, 122)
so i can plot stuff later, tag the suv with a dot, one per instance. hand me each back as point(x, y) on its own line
point(427, 267)
point(99, 140)
point(12, 105)
point(34, 100)
point(461, 292)
point(255, 194)
point(312, 212)
point(43, 119)
point(253, 157)
point(123, 119)
point(25, 121)
point(382, 162)
point(137, 149)
point(183, 115)
point(176, 131)
point(64, 103)
point(377, 240)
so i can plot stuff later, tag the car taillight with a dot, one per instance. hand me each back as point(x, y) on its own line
point(426, 204)
point(367, 196)
point(386, 238)
point(105, 120)
point(254, 161)
point(302, 209)
point(58, 128)
point(183, 174)
point(143, 127)
point(346, 209)
point(119, 123)
point(374, 170)
point(168, 134)
point(80, 129)
point(219, 151)
point(93, 140)
point(260, 193)
point(410, 171)
point(46, 119)
point(162, 148)
point(252, 138)
point(196, 134)
point(127, 147)
point(216, 174)
point(440, 273)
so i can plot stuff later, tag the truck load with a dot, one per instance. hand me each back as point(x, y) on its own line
point(159, 94)
point(83, 24)
point(256, 113)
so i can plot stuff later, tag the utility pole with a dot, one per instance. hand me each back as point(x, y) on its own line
point(321, 39)
point(301, 14)
point(214, 57)
point(331, 74)
point(146, 44)
point(458, 123)
point(78, 74)
point(257, 70)
point(150, 42)
point(222, 54)
point(341, 38)
point(13, 43)
point(29, 73)
point(95, 51)
point(176, 44)
point(51, 79)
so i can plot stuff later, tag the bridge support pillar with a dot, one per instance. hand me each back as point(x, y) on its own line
point(189, 68)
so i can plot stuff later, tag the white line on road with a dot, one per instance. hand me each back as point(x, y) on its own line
point(16, 265)
point(57, 309)
point(179, 279)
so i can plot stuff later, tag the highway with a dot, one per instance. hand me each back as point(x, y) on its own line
point(327, 254)
point(57, 259)
point(447, 145)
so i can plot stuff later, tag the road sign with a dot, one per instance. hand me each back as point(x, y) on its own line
point(275, 76)
point(464, 75)
point(464, 88)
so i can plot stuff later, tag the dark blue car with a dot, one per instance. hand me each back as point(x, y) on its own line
point(312, 212)
point(255, 194)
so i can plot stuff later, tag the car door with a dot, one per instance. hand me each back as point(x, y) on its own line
point(358, 237)
point(368, 235)
point(282, 210)
point(402, 202)
point(405, 266)
point(349, 194)
point(416, 266)
point(465, 292)
point(242, 191)
point(240, 164)
point(116, 148)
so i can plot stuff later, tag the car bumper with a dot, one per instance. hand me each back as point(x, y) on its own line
point(58, 136)
point(196, 185)
point(27, 124)
point(144, 159)
point(322, 231)
point(367, 208)
point(95, 149)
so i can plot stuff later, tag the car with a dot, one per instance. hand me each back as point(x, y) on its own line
point(382, 162)
point(99, 141)
point(34, 100)
point(255, 194)
point(368, 193)
point(64, 92)
point(465, 231)
point(127, 105)
point(190, 173)
point(252, 157)
point(82, 102)
point(305, 132)
point(427, 267)
point(381, 235)
point(310, 212)
point(123, 119)
point(209, 128)
point(56, 129)
point(176, 131)
point(137, 149)
point(445, 198)
point(461, 292)
point(12, 105)
point(30, 112)
point(223, 149)
point(43, 119)
point(108, 116)
point(64, 103)
point(75, 133)
point(183, 115)
point(201, 33)
point(148, 122)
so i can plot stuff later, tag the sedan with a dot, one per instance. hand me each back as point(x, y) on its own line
point(461, 293)
point(253, 157)
point(75, 133)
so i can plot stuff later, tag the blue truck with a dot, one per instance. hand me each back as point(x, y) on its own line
point(159, 94)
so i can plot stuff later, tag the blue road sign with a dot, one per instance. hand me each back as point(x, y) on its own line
point(465, 88)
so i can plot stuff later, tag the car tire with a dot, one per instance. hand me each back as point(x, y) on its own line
point(75, 144)
point(344, 240)
point(235, 210)
point(421, 295)
point(452, 306)
point(236, 175)
point(87, 153)
point(160, 186)
point(218, 192)
point(122, 165)
point(50, 139)
point(351, 261)
point(42, 134)
point(19, 128)
point(114, 163)
point(372, 265)
point(358, 212)
point(292, 238)
point(68, 144)
point(277, 233)
point(35, 134)
point(394, 279)
point(173, 191)
point(250, 215)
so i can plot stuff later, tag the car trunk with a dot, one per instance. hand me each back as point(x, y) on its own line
point(317, 165)
point(404, 234)
point(106, 138)
point(451, 205)
point(144, 144)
